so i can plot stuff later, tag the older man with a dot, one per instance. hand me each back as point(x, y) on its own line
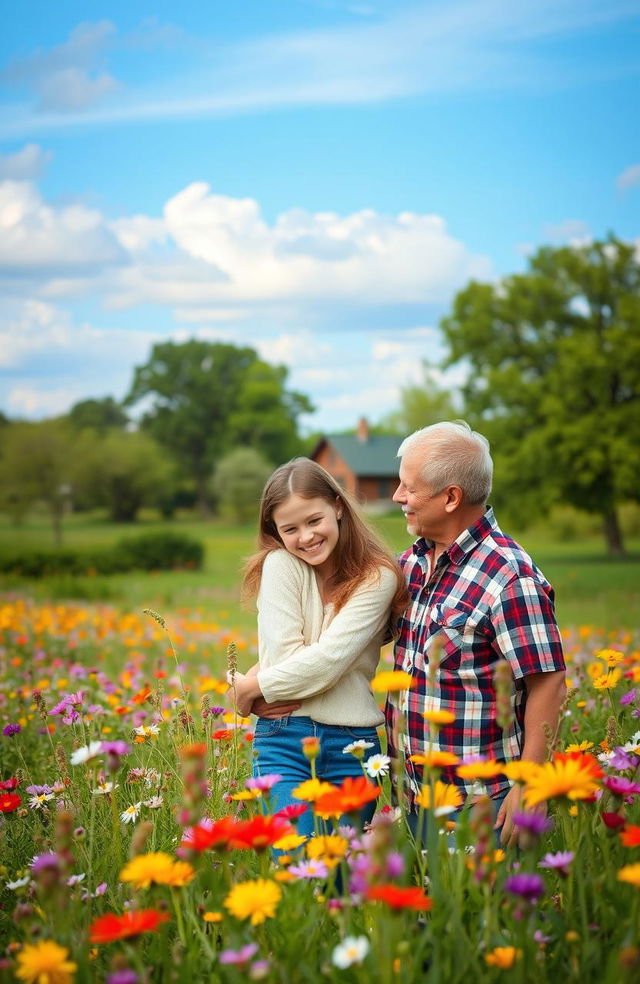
point(477, 599)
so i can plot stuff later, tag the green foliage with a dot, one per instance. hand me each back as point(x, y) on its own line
point(98, 415)
point(40, 462)
point(207, 397)
point(238, 482)
point(420, 406)
point(147, 552)
point(124, 471)
point(554, 382)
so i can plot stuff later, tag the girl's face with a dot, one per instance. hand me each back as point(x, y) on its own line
point(309, 529)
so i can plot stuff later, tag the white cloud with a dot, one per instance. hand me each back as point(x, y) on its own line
point(66, 78)
point(629, 178)
point(36, 237)
point(569, 229)
point(26, 164)
point(414, 48)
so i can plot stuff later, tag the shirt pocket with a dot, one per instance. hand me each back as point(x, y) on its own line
point(450, 625)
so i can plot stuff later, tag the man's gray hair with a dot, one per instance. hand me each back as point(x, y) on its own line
point(453, 455)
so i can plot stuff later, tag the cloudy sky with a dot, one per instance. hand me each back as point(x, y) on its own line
point(313, 178)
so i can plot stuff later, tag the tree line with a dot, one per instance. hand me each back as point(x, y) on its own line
point(551, 360)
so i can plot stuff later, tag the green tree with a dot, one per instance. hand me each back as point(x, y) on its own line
point(207, 396)
point(125, 471)
point(554, 378)
point(39, 462)
point(98, 415)
point(420, 406)
point(238, 482)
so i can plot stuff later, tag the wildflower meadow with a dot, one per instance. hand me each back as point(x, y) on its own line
point(135, 846)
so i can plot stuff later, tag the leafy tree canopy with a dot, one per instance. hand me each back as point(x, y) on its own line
point(205, 397)
point(99, 415)
point(238, 482)
point(554, 372)
point(420, 406)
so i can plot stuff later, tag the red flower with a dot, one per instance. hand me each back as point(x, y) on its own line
point(613, 820)
point(203, 836)
point(630, 836)
point(9, 784)
point(111, 927)
point(260, 832)
point(222, 734)
point(400, 898)
point(9, 802)
point(349, 797)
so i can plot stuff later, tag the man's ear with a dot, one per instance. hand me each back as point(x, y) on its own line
point(453, 498)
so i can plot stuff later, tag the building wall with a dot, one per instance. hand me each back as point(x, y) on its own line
point(373, 489)
point(337, 468)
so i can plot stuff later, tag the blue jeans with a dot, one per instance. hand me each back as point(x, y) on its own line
point(277, 749)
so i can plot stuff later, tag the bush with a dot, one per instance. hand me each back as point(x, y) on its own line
point(147, 552)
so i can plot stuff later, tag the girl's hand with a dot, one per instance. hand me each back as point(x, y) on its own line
point(246, 690)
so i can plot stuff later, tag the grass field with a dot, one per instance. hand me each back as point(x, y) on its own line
point(591, 589)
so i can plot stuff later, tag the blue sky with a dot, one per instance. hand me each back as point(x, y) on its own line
point(314, 178)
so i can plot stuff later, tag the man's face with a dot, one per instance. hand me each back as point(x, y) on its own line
point(423, 510)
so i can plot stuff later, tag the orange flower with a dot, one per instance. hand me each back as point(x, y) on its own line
point(260, 832)
point(571, 774)
point(222, 734)
point(349, 797)
point(480, 770)
point(195, 750)
point(630, 836)
point(111, 927)
point(400, 898)
point(141, 696)
point(435, 760)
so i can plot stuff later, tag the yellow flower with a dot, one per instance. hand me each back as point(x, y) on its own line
point(256, 900)
point(584, 746)
point(289, 842)
point(311, 790)
point(330, 848)
point(503, 957)
point(45, 962)
point(212, 916)
point(520, 771)
point(571, 774)
point(436, 716)
point(595, 670)
point(447, 797)
point(435, 759)
point(159, 868)
point(480, 770)
point(246, 794)
point(630, 873)
point(609, 681)
point(391, 680)
point(610, 656)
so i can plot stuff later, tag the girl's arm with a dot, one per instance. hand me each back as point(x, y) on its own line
point(305, 671)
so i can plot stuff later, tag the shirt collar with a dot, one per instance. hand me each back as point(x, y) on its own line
point(464, 544)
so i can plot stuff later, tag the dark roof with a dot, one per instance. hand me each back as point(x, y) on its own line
point(377, 456)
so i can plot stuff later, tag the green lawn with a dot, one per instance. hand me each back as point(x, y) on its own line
point(590, 588)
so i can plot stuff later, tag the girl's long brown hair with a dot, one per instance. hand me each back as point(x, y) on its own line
point(359, 552)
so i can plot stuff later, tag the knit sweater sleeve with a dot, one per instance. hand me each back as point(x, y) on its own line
point(306, 671)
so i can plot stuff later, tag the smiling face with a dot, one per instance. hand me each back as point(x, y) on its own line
point(424, 511)
point(309, 529)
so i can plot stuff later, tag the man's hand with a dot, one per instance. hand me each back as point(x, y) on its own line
point(264, 710)
point(511, 835)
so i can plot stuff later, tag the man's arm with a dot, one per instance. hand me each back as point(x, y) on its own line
point(546, 693)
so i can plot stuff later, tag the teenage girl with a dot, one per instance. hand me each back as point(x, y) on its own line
point(328, 593)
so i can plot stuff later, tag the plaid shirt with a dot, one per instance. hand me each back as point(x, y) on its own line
point(484, 601)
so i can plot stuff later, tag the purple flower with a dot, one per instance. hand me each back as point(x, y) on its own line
point(559, 861)
point(259, 969)
point(621, 786)
point(116, 748)
point(43, 862)
point(38, 790)
point(535, 823)
point(395, 864)
point(629, 697)
point(309, 869)
point(11, 729)
point(125, 976)
point(528, 887)
point(238, 957)
point(621, 760)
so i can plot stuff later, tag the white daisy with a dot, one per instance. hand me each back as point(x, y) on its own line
point(357, 748)
point(353, 949)
point(154, 803)
point(147, 730)
point(131, 814)
point(377, 765)
point(37, 802)
point(18, 883)
point(86, 753)
point(103, 788)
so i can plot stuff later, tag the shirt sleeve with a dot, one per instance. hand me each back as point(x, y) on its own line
point(525, 627)
point(305, 671)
